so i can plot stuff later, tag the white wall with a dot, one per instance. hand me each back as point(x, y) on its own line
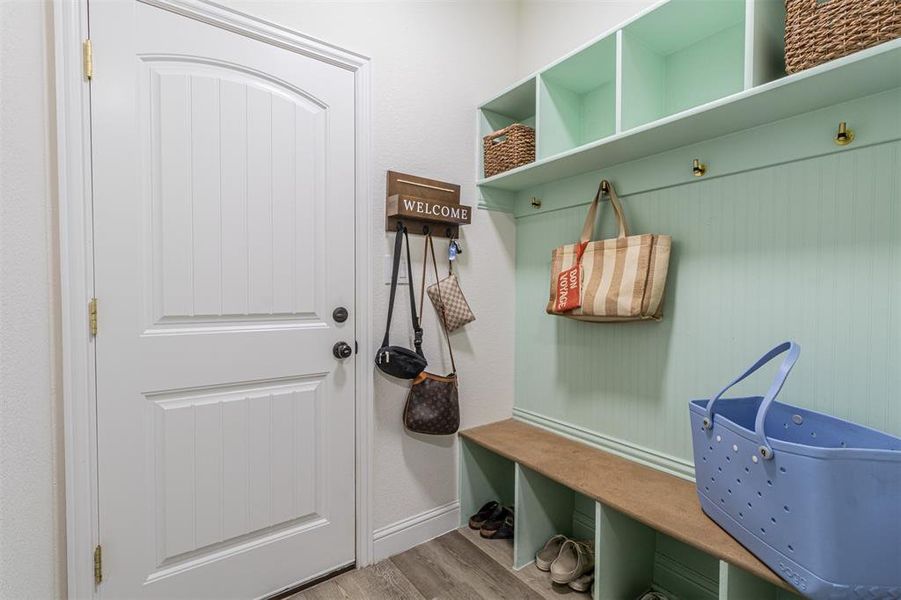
point(32, 531)
point(548, 29)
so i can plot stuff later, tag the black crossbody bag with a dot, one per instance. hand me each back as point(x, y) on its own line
point(398, 361)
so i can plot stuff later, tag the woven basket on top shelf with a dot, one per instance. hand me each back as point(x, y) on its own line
point(817, 31)
point(508, 148)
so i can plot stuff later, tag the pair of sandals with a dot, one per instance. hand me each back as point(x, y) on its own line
point(493, 521)
point(570, 562)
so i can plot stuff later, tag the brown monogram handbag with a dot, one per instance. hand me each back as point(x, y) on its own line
point(433, 405)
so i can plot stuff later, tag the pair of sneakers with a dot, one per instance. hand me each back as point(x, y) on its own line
point(570, 562)
point(494, 521)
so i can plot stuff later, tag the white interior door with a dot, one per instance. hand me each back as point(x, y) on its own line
point(223, 236)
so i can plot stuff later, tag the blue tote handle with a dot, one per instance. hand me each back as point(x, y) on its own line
point(794, 350)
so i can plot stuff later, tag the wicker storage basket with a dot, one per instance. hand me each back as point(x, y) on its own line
point(509, 148)
point(817, 31)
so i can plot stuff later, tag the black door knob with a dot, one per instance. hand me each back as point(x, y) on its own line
point(339, 314)
point(342, 350)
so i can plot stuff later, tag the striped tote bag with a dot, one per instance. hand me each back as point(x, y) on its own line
point(619, 279)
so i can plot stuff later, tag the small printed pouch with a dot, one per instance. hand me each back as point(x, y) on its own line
point(456, 309)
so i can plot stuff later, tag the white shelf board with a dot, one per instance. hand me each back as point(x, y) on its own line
point(861, 74)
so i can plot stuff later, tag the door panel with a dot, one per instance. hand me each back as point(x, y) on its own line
point(225, 425)
point(227, 133)
point(234, 461)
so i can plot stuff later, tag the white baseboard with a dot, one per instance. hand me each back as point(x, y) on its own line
point(412, 531)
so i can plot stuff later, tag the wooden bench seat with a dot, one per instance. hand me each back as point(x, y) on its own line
point(661, 501)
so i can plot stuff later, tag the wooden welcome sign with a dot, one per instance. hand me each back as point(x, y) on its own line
point(425, 205)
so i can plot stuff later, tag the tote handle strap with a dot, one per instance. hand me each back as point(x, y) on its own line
point(430, 246)
point(605, 187)
point(793, 351)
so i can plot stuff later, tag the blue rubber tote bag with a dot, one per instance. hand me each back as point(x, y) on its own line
point(816, 498)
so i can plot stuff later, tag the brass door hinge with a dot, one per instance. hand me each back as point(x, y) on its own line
point(98, 565)
point(88, 53)
point(92, 316)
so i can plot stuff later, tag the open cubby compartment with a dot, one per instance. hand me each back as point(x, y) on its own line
point(765, 46)
point(516, 105)
point(577, 99)
point(633, 557)
point(681, 55)
point(545, 508)
point(484, 476)
point(738, 584)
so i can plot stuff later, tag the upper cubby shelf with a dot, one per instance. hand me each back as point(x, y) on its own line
point(683, 72)
point(516, 105)
point(577, 99)
point(678, 57)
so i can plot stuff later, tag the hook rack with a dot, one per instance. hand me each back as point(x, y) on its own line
point(426, 229)
point(425, 205)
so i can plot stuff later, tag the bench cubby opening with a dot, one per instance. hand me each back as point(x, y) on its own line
point(577, 99)
point(545, 508)
point(516, 105)
point(632, 557)
point(484, 476)
point(679, 56)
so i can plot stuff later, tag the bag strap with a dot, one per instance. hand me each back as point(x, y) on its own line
point(395, 268)
point(793, 352)
point(430, 246)
point(417, 322)
point(588, 228)
point(399, 239)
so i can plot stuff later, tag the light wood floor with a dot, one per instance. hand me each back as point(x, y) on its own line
point(459, 565)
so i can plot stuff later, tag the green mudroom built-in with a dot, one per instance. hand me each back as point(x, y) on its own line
point(784, 227)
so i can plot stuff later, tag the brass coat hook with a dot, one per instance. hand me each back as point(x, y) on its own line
point(844, 136)
point(698, 169)
point(535, 202)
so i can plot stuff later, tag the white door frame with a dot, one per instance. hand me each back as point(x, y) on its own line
point(73, 121)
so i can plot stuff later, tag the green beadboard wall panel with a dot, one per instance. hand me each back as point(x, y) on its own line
point(808, 250)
